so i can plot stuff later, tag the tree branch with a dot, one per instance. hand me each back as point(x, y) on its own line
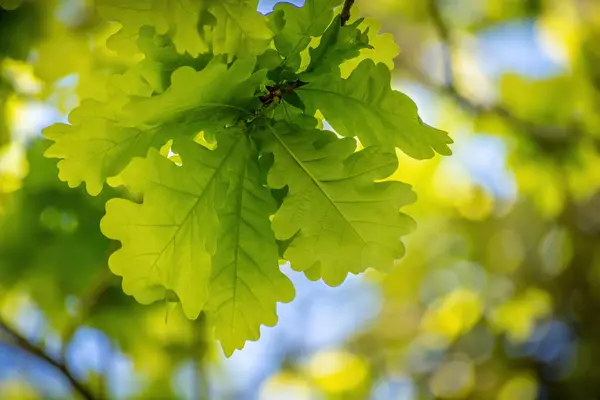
point(547, 133)
point(345, 15)
point(445, 35)
point(31, 348)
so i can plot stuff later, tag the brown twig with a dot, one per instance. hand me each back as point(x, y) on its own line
point(345, 15)
point(31, 348)
point(276, 92)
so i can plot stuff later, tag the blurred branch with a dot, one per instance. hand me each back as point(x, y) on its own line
point(548, 132)
point(551, 133)
point(345, 16)
point(38, 352)
point(88, 302)
point(447, 39)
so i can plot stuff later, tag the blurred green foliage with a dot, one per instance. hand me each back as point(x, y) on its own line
point(498, 294)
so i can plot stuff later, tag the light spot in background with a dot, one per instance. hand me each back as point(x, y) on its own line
point(464, 12)
point(18, 389)
point(266, 6)
point(123, 383)
point(13, 167)
point(71, 12)
point(558, 31)
point(22, 77)
point(523, 387)
point(59, 221)
point(423, 355)
point(90, 350)
point(30, 118)
point(337, 371)
point(453, 315)
point(438, 283)
point(555, 251)
point(478, 344)
point(500, 288)
point(70, 81)
point(505, 251)
point(467, 72)
point(30, 320)
point(515, 47)
point(52, 344)
point(72, 305)
point(518, 316)
point(551, 342)
point(454, 379)
point(185, 382)
point(484, 157)
point(396, 388)
point(287, 385)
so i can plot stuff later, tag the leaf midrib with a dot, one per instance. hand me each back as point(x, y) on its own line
point(304, 35)
point(315, 182)
point(193, 207)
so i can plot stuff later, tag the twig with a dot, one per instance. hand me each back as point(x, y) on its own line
point(38, 352)
point(276, 92)
point(345, 15)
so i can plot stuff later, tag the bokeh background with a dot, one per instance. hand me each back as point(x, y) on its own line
point(498, 296)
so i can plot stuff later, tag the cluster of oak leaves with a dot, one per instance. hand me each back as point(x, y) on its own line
point(217, 133)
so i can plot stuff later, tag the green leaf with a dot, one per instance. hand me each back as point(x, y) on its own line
point(102, 138)
point(365, 106)
point(382, 48)
point(181, 17)
point(202, 235)
point(213, 97)
point(178, 17)
point(240, 30)
point(338, 44)
point(341, 221)
point(168, 241)
point(295, 26)
point(246, 281)
point(214, 133)
point(95, 145)
point(161, 60)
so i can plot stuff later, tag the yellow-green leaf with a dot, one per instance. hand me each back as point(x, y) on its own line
point(365, 106)
point(340, 221)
